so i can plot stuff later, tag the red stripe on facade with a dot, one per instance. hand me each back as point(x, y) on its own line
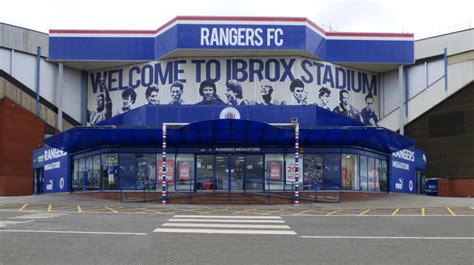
point(243, 19)
point(363, 34)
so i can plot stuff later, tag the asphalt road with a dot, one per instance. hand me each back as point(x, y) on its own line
point(41, 237)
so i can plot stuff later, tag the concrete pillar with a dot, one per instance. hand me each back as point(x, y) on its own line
point(401, 108)
point(59, 95)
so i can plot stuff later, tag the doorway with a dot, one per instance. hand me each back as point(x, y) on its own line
point(229, 172)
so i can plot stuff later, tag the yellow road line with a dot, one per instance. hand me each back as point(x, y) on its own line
point(331, 213)
point(237, 212)
point(146, 210)
point(50, 208)
point(450, 211)
point(423, 211)
point(396, 211)
point(23, 207)
point(303, 212)
point(364, 212)
point(79, 209)
point(110, 209)
point(279, 210)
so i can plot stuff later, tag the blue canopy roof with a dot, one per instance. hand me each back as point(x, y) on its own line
point(229, 132)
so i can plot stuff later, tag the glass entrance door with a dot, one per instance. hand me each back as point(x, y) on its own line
point(230, 172)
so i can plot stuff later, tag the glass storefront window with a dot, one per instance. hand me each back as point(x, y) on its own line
point(185, 172)
point(350, 172)
point(372, 173)
point(312, 171)
point(254, 172)
point(274, 172)
point(146, 171)
point(382, 174)
point(127, 170)
point(205, 172)
point(332, 171)
point(78, 175)
point(170, 171)
point(363, 173)
point(110, 171)
point(94, 181)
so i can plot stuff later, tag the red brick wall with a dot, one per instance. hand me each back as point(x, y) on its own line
point(456, 187)
point(20, 133)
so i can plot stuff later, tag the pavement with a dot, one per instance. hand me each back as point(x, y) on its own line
point(391, 200)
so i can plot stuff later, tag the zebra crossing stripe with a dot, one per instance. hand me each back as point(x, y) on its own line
point(226, 225)
point(221, 224)
point(227, 217)
point(226, 221)
point(225, 231)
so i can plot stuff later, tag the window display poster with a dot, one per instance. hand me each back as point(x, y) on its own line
point(184, 170)
point(145, 168)
point(313, 170)
point(290, 169)
point(169, 169)
point(274, 169)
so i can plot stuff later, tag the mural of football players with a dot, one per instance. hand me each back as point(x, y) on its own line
point(129, 96)
point(104, 106)
point(265, 97)
point(234, 93)
point(299, 96)
point(345, 108)
point(208, 92)
point(151, 95)
point(176, 92)
point(324, 95)
point(367, 114)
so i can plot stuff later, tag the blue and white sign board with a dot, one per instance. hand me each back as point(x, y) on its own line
point(403, 166)
point(56, 168)
point(231, 33)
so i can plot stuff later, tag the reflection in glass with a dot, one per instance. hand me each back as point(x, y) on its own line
point(363, 173)
point(110, 171)
point(254, 173)
point(205, 172)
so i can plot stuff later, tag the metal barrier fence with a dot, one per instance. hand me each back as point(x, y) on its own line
point(278, 188)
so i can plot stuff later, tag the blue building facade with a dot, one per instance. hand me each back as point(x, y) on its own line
point(245, 104)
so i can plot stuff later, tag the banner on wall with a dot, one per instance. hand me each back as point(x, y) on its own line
point(249, 81)
point(291, 168)
point(56, 168)
point(402, 171)
point(169, 169)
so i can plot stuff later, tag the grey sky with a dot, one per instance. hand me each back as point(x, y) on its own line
point(424, 18)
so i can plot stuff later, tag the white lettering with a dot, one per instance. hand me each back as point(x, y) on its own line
point(52, 165)
point(401, 165)
point(204, 36)
point(405, 154)
point(238, 37)
point(258, 37)
point(278, 37)
point(53, 154)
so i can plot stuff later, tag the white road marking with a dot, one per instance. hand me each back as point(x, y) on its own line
point(225, 231)
point(222, 224)
point(227, 217)
point(391, 237)
point(225, 221)
point(39, 215)
point(225, 225)
point(72, 232)
point(5, 223)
